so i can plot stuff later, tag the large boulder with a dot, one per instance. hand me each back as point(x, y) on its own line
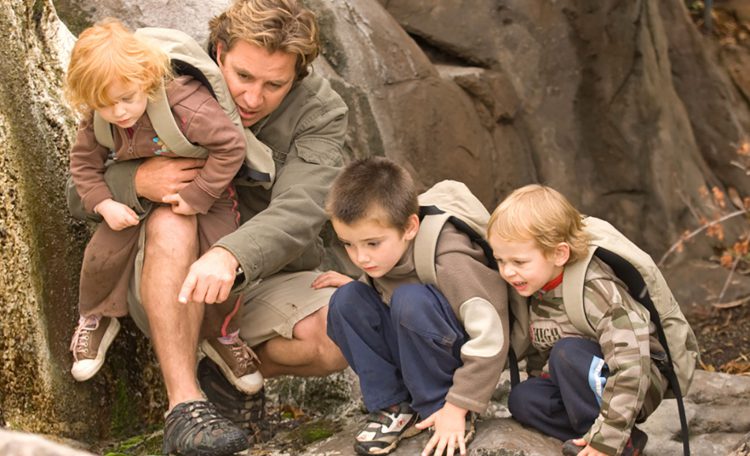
point(597, 115)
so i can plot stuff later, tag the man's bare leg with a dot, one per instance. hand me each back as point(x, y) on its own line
point(171, 247)
point(309, 353)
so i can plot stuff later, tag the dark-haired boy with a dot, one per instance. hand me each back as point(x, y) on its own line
point(419, 350)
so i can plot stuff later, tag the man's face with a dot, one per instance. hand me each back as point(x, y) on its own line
point(257, 80)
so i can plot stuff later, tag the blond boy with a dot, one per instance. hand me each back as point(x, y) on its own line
point(590, 392)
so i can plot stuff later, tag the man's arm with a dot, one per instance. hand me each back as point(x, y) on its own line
point(280, 234)
point(287, 230)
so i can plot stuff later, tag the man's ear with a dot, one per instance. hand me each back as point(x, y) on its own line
point(562, 254)
point(412, 227)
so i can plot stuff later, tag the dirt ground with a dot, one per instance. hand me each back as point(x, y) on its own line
point(724, 338)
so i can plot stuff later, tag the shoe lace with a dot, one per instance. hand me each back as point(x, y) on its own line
point(245, 356)
point(82, 335)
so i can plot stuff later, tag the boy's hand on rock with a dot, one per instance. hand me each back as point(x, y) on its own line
point(449, 425)
point(587, 450)
point(330, 279)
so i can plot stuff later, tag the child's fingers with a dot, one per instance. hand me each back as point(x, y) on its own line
point(430, 445)
point(172, 198)
point(441, 446)
point(319, 281)
point(132, 218)
point(328, 279)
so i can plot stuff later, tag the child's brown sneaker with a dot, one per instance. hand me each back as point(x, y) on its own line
point(236, 360)
point(92, 338)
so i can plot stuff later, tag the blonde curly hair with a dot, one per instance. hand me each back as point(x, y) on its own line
point(542, 214)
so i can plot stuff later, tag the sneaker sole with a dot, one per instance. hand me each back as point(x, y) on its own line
point(256, 382)
point(411, 432)
point(226, 450)
point(84, 373)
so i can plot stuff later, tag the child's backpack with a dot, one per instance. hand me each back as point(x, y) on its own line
point(188, 58)
point(448, 201)
point(647, 286)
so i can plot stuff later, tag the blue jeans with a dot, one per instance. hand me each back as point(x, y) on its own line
point(565, 404)
point(405, 352)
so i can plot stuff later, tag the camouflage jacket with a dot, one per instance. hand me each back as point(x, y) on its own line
point(634, 387)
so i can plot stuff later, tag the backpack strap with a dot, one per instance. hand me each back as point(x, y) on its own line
point(425, 243)
point(188, 57)
point(166, 128)
point(573, 280)
point(103, 132)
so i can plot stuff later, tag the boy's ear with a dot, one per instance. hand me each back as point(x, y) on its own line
point(562, 254)
point(219, 51)
point(412, 227)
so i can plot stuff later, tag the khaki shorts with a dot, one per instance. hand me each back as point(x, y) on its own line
point(271, 307)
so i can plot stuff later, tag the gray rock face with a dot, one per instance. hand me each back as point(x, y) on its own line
point(190, 16)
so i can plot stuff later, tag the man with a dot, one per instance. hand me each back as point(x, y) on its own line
point(264, 49)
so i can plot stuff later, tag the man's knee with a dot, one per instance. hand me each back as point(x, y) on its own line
point(312, 330)
point(166, 230)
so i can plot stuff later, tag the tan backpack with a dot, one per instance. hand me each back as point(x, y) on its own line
point(187, 57)
point(448, 201)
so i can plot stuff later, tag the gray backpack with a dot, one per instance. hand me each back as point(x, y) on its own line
point(187, 57)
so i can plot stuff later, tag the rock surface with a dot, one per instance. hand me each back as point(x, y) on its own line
point(718, 411)
point(22, 444)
